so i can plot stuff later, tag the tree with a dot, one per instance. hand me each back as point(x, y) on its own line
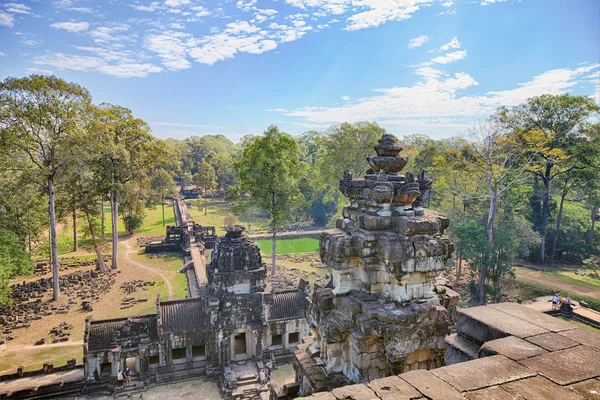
point(39, 116)
point(206, 178)
point(162, 183)
point(560, 119)
point(13, 261)
point(132, 222)
point(268, 171)
point(499, 157)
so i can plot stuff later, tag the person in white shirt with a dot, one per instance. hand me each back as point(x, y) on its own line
point(120, 378)
point(555, 302)
point(262, 377)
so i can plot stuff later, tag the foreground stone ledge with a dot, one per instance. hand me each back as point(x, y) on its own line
point(483, 372)
point(540, 388)
point(394, 388)
point(431, 386)
point(511, 347)
point(552, 341)
point(567, 366)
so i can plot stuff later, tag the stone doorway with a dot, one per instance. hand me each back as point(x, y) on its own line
point(239, 345)
point(130, 362)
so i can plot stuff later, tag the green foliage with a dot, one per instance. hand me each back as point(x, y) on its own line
point(133, 222)
point(13, 261)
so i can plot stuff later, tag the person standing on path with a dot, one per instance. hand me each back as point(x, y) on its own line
point(120, 379)
point(127, 375)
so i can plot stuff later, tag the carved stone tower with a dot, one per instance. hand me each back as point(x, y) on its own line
point(382, 311)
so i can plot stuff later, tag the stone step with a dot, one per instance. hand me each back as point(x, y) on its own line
point(459, 349)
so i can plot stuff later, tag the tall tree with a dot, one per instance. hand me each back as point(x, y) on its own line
point(206, 178)
point(162, 182)
point(40, 115)
point(268, 170)
point(560, 119)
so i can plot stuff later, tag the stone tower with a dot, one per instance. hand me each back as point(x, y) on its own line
point(383, 311)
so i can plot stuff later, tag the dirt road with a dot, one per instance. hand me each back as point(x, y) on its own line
point(130, 250)
point(530, 275)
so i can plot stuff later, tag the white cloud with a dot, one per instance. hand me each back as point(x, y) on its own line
point(113, 34)
point(155, 5)
point(418, 41)
point(84, 10)
point(2, 54)
point(448, 4)
point(16, 8)
point(177, 3)
point(246, 5)
point(450, 57)
point(171, 47)
point(71, 26)
point(346, 98)
point(277, 110)
point(71, 62)
point(488, 2)
point(453, 44)
point(39, 71)
point(31, 42)
point(6, 19)
point(439, 100)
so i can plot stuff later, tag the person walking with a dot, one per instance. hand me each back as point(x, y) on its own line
point(269, 367)
point(555, 302)
point(127, 375)
point(120, 379)
point(262, 377)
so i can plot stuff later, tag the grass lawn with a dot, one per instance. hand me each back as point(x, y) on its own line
point(573, 277)
point(289, 246)
point(216, 213)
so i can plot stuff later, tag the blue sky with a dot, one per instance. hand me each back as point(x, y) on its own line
point(192, 67)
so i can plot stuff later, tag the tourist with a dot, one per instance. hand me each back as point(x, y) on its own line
point(568, 300)
point(554, 302)
point(263, 378)
point(120, 379)
point(127, 375)
point(269, 367)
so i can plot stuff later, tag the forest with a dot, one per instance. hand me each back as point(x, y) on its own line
point(521, 185)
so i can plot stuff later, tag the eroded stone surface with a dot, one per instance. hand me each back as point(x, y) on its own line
point(492, 393)
point(394, 388)
point(358, 392)
point(323, 396)
point(552, 341)
point(583, 336)
point(483, 372)
point(511, 347)
point(540, 388)
point(537, 318)
point(566, 366)
point(431, 386)
point(589, 389)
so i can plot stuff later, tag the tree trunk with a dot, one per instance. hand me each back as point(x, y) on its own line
point(591, 232)
point(558, 220)
point(205, 201)
point(114, 212)
point(101, 264)
point(545, 212)
point(53, 245)
point(479, 296)
point(102, 218)
point(162, 203)
point(75, 244)
point(459, 269)
point(274, 252)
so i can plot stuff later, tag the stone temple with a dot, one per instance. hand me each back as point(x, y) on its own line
point(383, 311)
point(227, 332)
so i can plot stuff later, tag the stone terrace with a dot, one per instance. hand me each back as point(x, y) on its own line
point(515, 353)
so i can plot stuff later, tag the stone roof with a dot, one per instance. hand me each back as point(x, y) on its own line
point(184, 315)
point(515, 361)
point(289, 304)
point(102, 332)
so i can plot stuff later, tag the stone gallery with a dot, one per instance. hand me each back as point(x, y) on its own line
point(382, 311)
point(235, 325)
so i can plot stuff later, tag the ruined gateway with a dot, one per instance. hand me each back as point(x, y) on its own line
point(235, 324)
point(383, 311)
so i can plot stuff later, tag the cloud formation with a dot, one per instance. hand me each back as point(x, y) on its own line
point(72, 26)
point(418, 41)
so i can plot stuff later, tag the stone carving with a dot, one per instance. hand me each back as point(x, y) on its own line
point(383, 311)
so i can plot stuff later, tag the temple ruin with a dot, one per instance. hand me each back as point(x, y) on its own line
point(230, 326)
point(383, 311)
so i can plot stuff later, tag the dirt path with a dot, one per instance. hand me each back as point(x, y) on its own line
point(130, 250)
point(526, 274)
point(48, 346)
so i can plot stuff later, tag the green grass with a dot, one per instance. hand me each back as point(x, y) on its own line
point(216, 213)
point(289, 246)
point(578, 279)
point(581, 325)
point(529, 290)
point(34, 360)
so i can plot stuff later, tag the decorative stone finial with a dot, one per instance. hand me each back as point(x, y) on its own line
point(234, 231)
point(387, 156)
point(388, 146)
point(382, 177)
point(347, 175)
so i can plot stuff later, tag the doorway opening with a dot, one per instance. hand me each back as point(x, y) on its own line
point(239, 344)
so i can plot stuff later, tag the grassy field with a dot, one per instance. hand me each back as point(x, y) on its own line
point(290, 246)
point(134, 265)
point(216, 213)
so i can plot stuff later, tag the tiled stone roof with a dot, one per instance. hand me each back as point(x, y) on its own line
point(103, 332)
point(184, 315)
point(289, 304)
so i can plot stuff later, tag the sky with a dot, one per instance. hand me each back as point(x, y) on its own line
point(197, 67)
